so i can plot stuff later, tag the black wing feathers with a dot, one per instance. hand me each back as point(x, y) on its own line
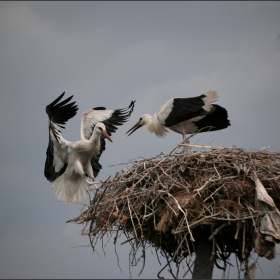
point(119, 117)
point(184, 109)
point(60, 113)
point(96, 166)
point(49, 170)
point(217, 118)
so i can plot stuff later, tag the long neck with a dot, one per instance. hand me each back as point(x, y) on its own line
point(154, 126)
point(95, 143)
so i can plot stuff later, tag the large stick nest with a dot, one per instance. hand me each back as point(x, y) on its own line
point(166, 201)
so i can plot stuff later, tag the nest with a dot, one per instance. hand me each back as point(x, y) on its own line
point(167, 201)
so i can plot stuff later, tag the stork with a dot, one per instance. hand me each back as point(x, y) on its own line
point(186, 116)
point(71, 167)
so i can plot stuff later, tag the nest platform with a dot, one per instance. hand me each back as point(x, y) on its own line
point(170, 200)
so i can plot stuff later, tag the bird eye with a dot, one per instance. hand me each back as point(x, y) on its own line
point(140, 119)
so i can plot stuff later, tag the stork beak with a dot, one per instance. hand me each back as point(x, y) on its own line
point(135, 127)
point(106, 135)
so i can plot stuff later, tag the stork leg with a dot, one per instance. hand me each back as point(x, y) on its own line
point(185, 149)
point(89, 175)
point(79, 169)
point(90, 180)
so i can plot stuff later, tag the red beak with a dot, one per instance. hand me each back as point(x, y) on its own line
point(135, 127)
point(106, 135)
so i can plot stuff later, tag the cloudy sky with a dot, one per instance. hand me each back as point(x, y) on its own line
point(107, 54)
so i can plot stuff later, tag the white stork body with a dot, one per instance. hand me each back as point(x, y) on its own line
point(72, 166)
point(73, 184)
point(186, 116)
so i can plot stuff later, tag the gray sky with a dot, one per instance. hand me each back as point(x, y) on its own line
point(107, 54)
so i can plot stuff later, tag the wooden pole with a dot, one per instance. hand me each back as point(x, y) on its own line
point(203, 266)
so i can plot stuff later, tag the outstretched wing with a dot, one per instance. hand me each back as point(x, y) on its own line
point(110, 118)
point(57, 151)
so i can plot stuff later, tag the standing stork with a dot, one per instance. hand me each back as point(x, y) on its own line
point(186, 116)
point(71, 167)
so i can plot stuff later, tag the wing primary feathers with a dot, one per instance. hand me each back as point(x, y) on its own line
point(118, 117)
point(217, 119)
point(60, 113)
point(64, 102)
point(57, 99)
point(96, 166)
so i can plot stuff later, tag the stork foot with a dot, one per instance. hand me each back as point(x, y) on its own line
point(89, 180)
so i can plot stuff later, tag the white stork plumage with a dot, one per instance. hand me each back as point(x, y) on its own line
point(71, 167)
point(186, 116)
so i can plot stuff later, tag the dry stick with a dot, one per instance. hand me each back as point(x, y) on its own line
point(211, 195)
point(118, 260)
point(172, 179)
point(189, 268)
point(231, 220)
point(210, 180)
point(216, 231)
point(178, 263)
point(164, 172)
point(94, 249)
point(228, 212)
point(179, 247)
point(219, 249)
point(208, 209)
point(201, 188)
point(128, 240)
point(213, 249)
point(237, 230)
point(163, 186)
point(191, 236)
point(159, 277)
point(144, 260)
point(249, 209)
point(168, 262)
point(132, 219)
point(217, 170)
point(129, 267)
point(171, 153)
point(156, 249)
point(206, 146)
point(154, 216)
point(243, 244)
point(169, 205)
point(152, 213)
point(210, 218)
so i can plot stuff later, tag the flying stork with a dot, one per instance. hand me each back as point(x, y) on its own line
point(71, 167)
point(186, 116)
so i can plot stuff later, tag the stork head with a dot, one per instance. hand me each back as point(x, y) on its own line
point(101, 129)
point(144, 120)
